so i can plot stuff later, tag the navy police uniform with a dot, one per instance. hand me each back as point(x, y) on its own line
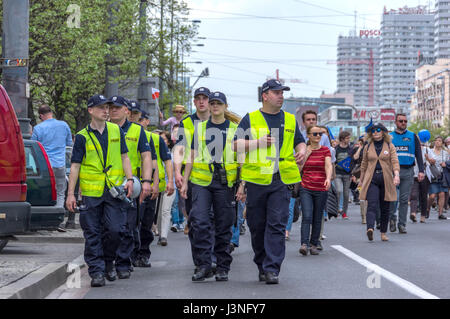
point(211, 228)
point(103, 218)
point(268, 202)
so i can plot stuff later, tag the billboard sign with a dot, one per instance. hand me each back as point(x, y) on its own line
point(369, 33)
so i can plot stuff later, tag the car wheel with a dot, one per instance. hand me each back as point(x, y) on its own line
point(3, 243)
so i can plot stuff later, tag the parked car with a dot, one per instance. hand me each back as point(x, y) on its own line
point(41, 193)
point(14, 209)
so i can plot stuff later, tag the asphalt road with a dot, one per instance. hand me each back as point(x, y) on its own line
point(413, 265)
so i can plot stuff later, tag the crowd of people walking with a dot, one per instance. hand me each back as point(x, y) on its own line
point(212, 172)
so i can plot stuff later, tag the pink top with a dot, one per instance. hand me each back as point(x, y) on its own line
point(172, 121)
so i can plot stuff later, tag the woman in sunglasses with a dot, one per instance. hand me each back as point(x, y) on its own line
point(178, 111)
point(316, 180)
point(380, 174)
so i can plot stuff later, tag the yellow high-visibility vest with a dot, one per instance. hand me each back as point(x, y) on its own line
point(259, 164)
point(132, 141)
point(201, 173)
point(92, 177)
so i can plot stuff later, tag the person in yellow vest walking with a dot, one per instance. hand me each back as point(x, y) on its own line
point(212, 171)
point(100, 160)
point(182, 148)
point(149, 205)
point(140, 153)
point(269, 137)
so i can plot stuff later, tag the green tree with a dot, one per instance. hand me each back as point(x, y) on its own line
point(443, 131)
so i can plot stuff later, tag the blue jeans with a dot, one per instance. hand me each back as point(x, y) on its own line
point(313, 203)
point(177, 216)
point(291, 214)
point(240, 221)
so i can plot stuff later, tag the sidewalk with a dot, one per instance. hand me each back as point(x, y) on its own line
point(33, 265)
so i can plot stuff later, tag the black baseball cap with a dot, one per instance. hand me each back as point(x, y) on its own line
point(204, 91)
point(380, 126)
point(97, 100)
point(218, 96)
point(274, 85)
point(134, 106)
point(144, 115)
point(118, 100)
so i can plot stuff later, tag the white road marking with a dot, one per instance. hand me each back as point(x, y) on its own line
point(408, 286)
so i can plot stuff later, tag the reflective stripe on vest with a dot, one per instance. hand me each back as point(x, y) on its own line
point(92, 178)
point(201, 173)
point(259, 164)
point(188, 131)
point(405, 145)
point(161, 171)
point(132, 141)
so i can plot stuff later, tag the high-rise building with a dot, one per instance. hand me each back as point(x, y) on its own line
point(442, 30)
point(358, 68)
point(406, 33)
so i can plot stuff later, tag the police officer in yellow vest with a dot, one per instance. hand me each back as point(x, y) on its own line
point(140, 152)
point(212, 171)
point(182, 148)
point(100, 160)
point(149, 205)
point(269, 137)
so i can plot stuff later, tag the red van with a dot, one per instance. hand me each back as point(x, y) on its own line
point(14, 210)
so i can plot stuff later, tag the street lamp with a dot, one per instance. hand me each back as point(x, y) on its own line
point(205, 73)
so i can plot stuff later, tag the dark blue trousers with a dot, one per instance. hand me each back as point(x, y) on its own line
point(103, 221)
point(126, 247)
point(145, 235)
point(211, 236)
point(267, 217)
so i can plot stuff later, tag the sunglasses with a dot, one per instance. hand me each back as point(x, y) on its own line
point(403, 121)
point(317, 134)
point(376, 130)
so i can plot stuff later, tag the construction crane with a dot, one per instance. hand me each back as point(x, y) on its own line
point(283, 81)
point(371, 64)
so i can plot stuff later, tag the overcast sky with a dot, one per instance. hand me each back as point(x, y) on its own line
point(238, 67)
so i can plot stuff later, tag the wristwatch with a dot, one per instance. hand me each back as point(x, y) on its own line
point(130, 179)
point(146, 181)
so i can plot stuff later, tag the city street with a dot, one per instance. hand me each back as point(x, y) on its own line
point(414, 265)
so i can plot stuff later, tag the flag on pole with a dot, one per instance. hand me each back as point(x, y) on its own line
point(155, 93)
point(369, 126)
point(331, 134)
point(345, 164)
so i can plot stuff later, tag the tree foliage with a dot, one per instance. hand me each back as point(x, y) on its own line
point(443, 131)
point(68, 64)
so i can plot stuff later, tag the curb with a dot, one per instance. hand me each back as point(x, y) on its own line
point(49, 240)
point(40, 283)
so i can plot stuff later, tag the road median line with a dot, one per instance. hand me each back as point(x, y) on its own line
point(402, 283)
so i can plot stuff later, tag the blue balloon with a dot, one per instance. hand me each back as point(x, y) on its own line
point(424, 136)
